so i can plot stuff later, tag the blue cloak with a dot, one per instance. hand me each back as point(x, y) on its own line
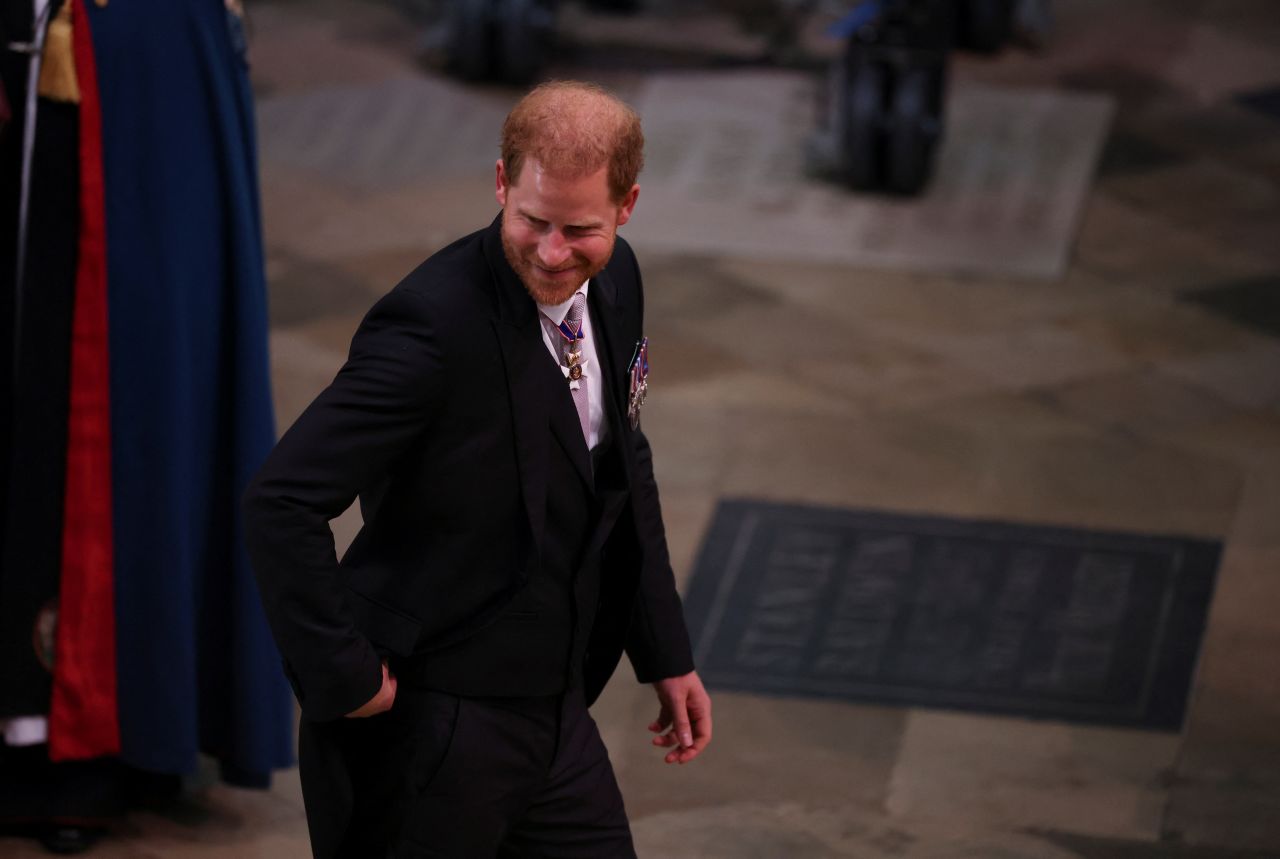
point(191, 415)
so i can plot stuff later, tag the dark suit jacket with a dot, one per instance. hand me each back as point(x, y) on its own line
point(440, 422)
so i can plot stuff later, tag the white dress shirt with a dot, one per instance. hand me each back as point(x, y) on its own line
point(592, 373)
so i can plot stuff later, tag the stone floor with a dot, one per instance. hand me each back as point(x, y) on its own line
point(1137, 388)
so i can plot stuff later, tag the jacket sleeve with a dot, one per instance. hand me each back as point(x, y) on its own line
point(658, 641)
point(379, 403)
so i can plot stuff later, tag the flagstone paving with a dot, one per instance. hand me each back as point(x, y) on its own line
point(1097, 385)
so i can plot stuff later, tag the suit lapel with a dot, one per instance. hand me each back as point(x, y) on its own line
point(530, 413)
point(520, 340)
point(540, 400)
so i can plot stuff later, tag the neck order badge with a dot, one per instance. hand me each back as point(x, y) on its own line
point(573, 332)
point(572, 349)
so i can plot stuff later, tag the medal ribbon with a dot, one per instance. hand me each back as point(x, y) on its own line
point(567, 332)
point(640, 364)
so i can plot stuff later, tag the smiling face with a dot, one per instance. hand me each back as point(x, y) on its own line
point(559, 231)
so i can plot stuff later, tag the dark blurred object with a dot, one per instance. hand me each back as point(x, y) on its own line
point(504, 41)
point(884, 102)
point(510, 41)
point(621, 6)
point(1264, 101)
point(493, 40)
point(66, 807)
point(69, 807)
point(66, 840)
point(5, 113)
point(885, 96)
point(35, 360)
point(1032, 22)
point(983, 25)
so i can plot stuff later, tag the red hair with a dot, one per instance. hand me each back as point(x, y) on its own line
point(573, 129)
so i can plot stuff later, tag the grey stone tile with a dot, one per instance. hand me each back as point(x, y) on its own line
point(1009, 774)
point(381, 135)
point(300, 369)
point(290, 845)
point(1154, 330)
point(299, 291)
point(971, 464)
point(220, 822)
point(1210, 197)
point(696, 289)
point(296, 47)
point(1031, 356)
point(1090, 847)
point(379, 271)
point(1215, 62)
point(694, 447)
point(898, 377)
point(413, 219)
point(1219, 129)
point(1141, 403)
point(1206, 60)
point(1209, 193)
point(1228, 776)
point(287, 785)
point(1261, 158)
point(1248, 376)
point(1135, 90)
point(914, 302)
point(1126, 152)
point(1127, 242)
point(762, 831)
point(1251, 440)
point(1235, 815)
point(297, 203)
point(771, 750)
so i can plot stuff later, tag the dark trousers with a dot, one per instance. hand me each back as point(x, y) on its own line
point(464, 778)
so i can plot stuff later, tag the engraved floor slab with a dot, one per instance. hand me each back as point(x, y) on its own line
point(1076, 625)
point(725, 174)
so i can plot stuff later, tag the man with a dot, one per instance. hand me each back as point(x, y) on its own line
point(487, 418)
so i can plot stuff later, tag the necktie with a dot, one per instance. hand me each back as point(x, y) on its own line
point(572, 337)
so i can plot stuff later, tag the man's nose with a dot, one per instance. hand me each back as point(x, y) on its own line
point(553, 250)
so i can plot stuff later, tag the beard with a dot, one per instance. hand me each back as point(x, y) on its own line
point(550, 291)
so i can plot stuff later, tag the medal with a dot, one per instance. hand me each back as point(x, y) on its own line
point(574, 362)
point(639, 373)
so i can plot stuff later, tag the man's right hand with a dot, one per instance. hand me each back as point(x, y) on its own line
point(381, 702)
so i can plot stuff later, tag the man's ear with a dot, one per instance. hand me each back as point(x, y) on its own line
point(501, 191)
point(628, 205)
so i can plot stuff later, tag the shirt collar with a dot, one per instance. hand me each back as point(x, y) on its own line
point(557, 312)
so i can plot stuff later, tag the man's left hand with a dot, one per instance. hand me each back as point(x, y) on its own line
point(684, 722)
